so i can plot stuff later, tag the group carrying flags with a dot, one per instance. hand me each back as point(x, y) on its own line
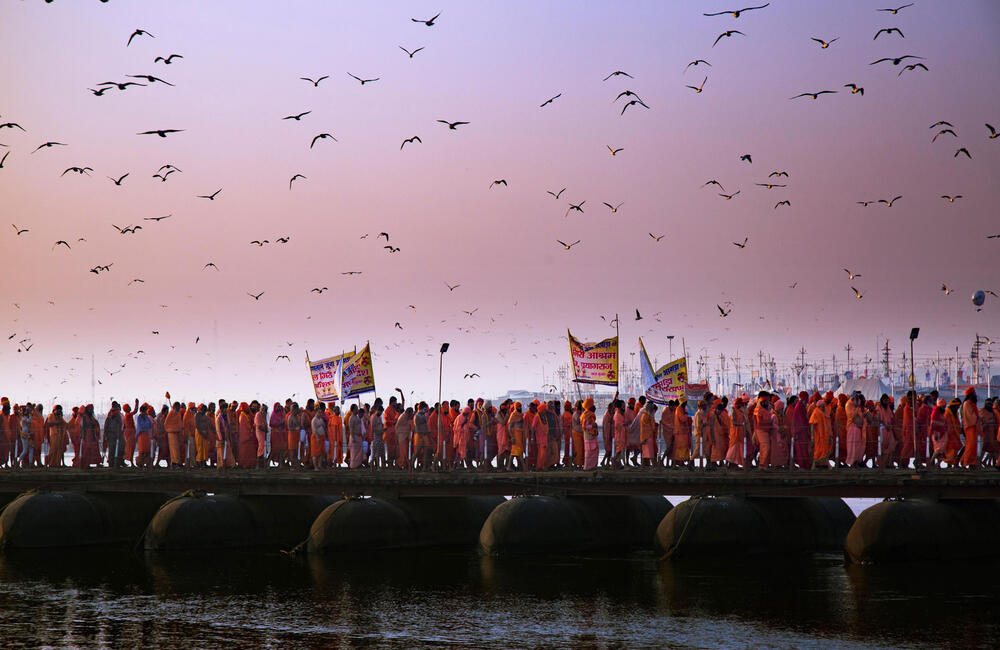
point(594, 363)
point(353, 369)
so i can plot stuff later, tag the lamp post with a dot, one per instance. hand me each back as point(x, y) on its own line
point(913, 394)
point(670, 341)
point(444, 348)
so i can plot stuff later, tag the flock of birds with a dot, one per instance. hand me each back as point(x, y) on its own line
point(778, 179)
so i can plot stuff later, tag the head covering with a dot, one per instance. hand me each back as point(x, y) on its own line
point(543, 407)
point(588, 403)
point(567, 406)
point(970, 391)
point(941, 403)
point(842, 398)
point(803, 396)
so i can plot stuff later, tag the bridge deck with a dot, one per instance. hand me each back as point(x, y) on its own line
point(838, 483)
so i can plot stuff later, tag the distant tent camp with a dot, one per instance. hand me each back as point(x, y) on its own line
point(871, 387)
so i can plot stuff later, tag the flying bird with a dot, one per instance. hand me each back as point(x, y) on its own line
point(993, 132)
point(471, 375)
point(350, 272)
point(619, 73)
point(946, 290)
point(409, 52)
point(567, 246)
point(778, 174)
point(743, 245)
point(657, 237)
point(715, 182)
point(168, 59)
point(855, 89)
point(770, 186)
point(319, 290)
point(888, 31)
point(825, 44)
point(816, 94)
point(638, 316)
point(415, 138)
point(391, 249)
point(470, 313)
point(118, 182)
point(735, 13)
point(322, 136)
point(913, 66)
point(282, 240)
point(747, 158)
point(163, 177)
point(896, 10)
point(501, 181)
point(430, 22)
point(316, 82)
point(210, 264)
point(297, 117)
point(160, 132)
point(99, 92)
point(150, 78)
point(157, 218)
point(137, 281)
point(550, 100)
point(941, 123)
point(210, 197)
point(260, 243)
point(896, 60)
point(578, 207)
point(857, 294)
point(696, 62)
point(4, 159)
point(556, 194)
point(47, 145)
point(697, 89)
point(729, 197)
point(452, 125)
point(63, 242)
point(363, 81)
point(397, 325)
point(951, 199)
point(943, 132)
point(723, 312)
point(786, 202)
point(282, 356)
point(11, 125)
point(138, 32)
point(614, 152)
point(851, 275)
point(383, 234)
point(257, 297)
point(293, 178)
point(891, 201)
point(87, 170)
point(452, 287)
point(962, 150)
point(614, 208)
point(793, 285)
point(727, 34)
point(121, 86)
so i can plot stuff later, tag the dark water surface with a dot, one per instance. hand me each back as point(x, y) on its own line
point(97, 599)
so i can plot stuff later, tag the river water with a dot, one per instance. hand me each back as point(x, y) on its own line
point(120, 598)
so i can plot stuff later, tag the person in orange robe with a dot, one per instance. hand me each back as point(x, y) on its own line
point(246, 446)
point(588, 423)
point(721, 426)
point(667, 433)
point(335, 430)
point(188, 432)
point(739, 429)
point(55, 429)
point(764, 429)
point(174, 424)
point(897, 431)
point(515, 427)
point(970, 424)
point(389, 419)
point(647, 433)
point(819, 426)
point(885, 418)
point(954, 444)
point(906, 439)
point(4, 435)
point(73, 427)
point(576, 433)
point(540, 434)
point(840, 428)
point(938, 433)
point(987, 431)
point(318, 438)
point(128, 431)
point(566, 426)
point(38, 436)
point(682, 436)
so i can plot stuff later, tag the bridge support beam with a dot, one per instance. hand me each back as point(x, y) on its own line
point(222, 521)
point(925, 529)
point(381, 524)
point(66, 519)
point(721, 526)
point(545, 524)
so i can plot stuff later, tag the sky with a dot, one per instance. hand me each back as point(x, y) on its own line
point(492, 65)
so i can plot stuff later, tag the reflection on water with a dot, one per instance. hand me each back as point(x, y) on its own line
point(116, 598)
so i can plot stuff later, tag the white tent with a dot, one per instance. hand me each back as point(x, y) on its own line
point(871, 387)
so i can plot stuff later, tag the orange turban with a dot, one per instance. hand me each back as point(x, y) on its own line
point(588, 403)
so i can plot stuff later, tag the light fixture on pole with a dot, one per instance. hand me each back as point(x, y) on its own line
point(444, 348)
point(670, 340)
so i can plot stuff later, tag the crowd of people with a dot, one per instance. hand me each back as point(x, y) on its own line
point(812, 432)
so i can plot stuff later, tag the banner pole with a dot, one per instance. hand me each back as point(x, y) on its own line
point(618, 344)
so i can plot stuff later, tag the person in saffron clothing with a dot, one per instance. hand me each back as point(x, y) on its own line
point(722, 424)
point(55, 428)
point(763, 428)
point(887, 434)
point(798, 421)
point(939, 433)
point(540, 433)
point(780, 440)
point(739, 429)
point(819, 427)
point(143, 436)
point(128, 432)
point(953, 447)
point(515, 427)
point(682, 436)
point(970, 426)
point(608, 431)
point(246, 444)
point(855, 438)
point(647, 433)
point(589, 427)
point(356, 431)
point(987, 431)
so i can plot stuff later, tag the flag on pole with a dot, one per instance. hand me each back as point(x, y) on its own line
point(594, 363)
point(667, 383)
point(325, 373)
point(357, 374)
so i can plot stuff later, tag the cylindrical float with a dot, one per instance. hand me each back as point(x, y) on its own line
point(717, 526)
point(195, 522)
point(923, 529)
point(543, 524)
point(381, 524)
point(63, 519)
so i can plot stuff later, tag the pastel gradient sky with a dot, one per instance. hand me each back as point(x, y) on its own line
point(491, 64)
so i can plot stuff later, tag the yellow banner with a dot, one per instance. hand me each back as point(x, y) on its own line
point(594, 363)
point(325, 373)
point(358, 375)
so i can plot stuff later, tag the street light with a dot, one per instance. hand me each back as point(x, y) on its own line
point(444, 348)
point(913, 393)
point(670, 340)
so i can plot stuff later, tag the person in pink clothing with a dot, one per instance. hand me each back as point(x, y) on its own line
point(260, 429)
point(462, 431)
point(540, 431)
point(739, 429)
point(855, 437)
point(589, 421)
point(780, 440)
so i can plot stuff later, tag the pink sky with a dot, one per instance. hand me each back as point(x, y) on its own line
point(491, 65)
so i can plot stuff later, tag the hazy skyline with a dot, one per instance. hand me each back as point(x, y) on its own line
point(492, 66)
